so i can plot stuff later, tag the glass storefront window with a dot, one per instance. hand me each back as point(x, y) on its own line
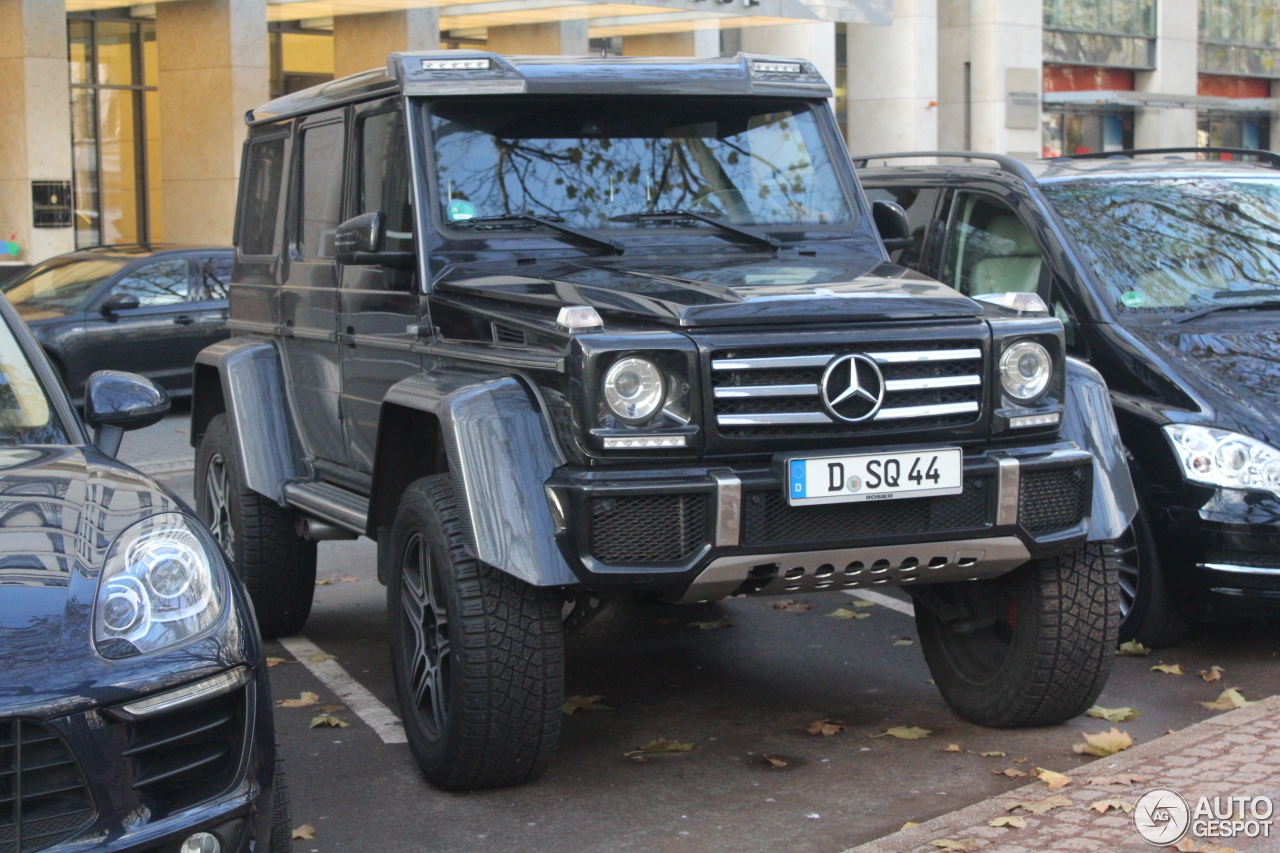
point(1086, 131)
point(1225, 130)
point(1111, 17)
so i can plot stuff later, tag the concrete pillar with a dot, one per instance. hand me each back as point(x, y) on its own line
point(1177, 58)
point(35, 135)
point(213, 68)
point(361, 42)
point(1005, 56)
point(954, 74)
point(814, 42)
point(700, 43)
point(893, 81)
point(554, 38)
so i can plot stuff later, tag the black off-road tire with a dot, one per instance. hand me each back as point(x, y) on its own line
point(281, 813)
point(484, 712)
point(1049, 652)
point(259, 537)
point(1149, 613)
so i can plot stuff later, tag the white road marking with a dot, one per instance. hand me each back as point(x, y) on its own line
point(353, 694)
point(883, 600)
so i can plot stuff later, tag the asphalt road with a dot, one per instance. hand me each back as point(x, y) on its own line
point(739, 694)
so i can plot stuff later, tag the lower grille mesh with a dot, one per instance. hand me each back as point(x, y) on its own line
point(768, 519)
point(1053, 500)
point(647, 528)
point(43, 795)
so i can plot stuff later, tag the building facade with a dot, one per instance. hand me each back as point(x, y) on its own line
point(124, 123)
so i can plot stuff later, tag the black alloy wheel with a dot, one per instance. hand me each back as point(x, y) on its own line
point(424, 623)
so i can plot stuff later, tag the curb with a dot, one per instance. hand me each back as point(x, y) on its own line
point(948, 824)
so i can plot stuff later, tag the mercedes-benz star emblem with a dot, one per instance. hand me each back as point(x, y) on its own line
point(852, 388)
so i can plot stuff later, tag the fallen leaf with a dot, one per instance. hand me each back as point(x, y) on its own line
point(1114, 715)
point(790, 606)
point(1171, 668)
point(573, 704)
point(348, 579)
point(658, 746)
point(1103, 806)
point(1192, 845)
point(306, 832)
point(861, 603)
point(841, 613)
point(1227, 700)
point(319, 657)
point(1048, 804)
point(1104, 743)
point(908, 825)
point(1120, 779)
point(324, 582)
point(1011, 772)
point(955, 747)
point(776, 763)
point(330, 709)
point(1213, 673)
point(964, 845)
point(307, 698)
point(711, 626)
point(332, 722)
point(906, 732)
point(277, 661)
point(904, 642)
point(826, 727)
point(992, 754)
point(1132, 649)
point(1052, 779)
point(1010, 820)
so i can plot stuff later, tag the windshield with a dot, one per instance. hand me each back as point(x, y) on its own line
point(58, 286)
point(1176, 243)
point(26, 415)
point(748, 161)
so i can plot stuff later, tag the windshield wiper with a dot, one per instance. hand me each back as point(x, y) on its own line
point(1265, 305)
point(584, 236)
point(679, 213)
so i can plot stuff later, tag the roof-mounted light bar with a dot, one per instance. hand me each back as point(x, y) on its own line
point(759, 69)
point(456, 65)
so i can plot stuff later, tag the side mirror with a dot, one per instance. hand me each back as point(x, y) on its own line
point(115, 402)
point(361, 234)
point(891, 222)
point(118, 302)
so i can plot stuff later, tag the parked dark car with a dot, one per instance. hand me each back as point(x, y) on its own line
point(1165, 272)
point(144, 309)
point(135, 711)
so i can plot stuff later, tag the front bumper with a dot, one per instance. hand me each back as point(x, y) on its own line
point(706, 532)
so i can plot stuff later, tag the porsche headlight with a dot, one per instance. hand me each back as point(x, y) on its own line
point(1217, 457)
point(158, 589)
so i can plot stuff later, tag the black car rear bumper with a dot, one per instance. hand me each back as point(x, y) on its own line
point(662, 530)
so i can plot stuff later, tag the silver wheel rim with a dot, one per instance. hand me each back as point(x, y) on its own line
point(1130, 566)
point(427, 637)
point(216, 494)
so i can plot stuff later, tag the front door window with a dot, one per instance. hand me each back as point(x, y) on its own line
point(990, 250)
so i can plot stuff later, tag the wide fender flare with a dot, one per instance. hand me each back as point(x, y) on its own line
point(253, 397)
point(1090, 422)
point(501, 453)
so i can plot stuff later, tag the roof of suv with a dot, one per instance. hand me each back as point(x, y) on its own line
point(474, 72)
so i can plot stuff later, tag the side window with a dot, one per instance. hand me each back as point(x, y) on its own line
point(321, 197)
point(213, 276)
point(919, 203)
point(163, 283)
point(989, 250)
point(260, 203)
point(384, 177)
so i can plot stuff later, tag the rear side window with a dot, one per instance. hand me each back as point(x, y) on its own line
point(214, 277)
point(162, 283)
point(260, 203)
point(321, 196)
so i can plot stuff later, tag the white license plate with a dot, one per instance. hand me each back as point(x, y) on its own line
point(875, 476)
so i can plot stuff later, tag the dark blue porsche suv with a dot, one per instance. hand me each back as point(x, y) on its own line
point(135, 712)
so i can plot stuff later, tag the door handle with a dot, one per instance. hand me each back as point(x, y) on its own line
point(183, 320)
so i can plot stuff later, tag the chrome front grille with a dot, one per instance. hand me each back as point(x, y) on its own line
point(768, 391)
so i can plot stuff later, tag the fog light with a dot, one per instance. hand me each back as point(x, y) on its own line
point(201, 842)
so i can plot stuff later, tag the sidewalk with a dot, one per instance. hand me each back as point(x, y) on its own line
point(1234, 754)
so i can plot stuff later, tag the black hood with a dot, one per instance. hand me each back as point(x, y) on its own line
point(60, 510)
point(1232, 364)
point(726, 291)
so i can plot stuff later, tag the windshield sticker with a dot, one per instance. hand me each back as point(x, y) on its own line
point(460, 210)
point(1132, 299)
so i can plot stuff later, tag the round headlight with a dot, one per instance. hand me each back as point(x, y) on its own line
point(1025, 370)
point(633, 389)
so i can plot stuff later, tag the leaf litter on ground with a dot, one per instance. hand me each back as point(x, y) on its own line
point(277, 661)
point(1228, 700)
point(320, 657)
point(1103, 806)
point(1213, 673)
point(1048, 804)
point(826, 727)
point(1012, 821)
point(842, 613)
point(1132, 649)
point(303, 701)
point(1118, 779)
point(306, 832)
point(1114, 715)
point(1011, 772)
point(964, 845)
point(906, 733)
point(326, 720)
point(1103, 744)
point(789, 605)
point(1051, 778)
point(573, 704)
point(657, 746)
point(992, 754)
point(954, 747)
point(711, 626)
point(905, 641)
point(776, 763)
point(1170, 668)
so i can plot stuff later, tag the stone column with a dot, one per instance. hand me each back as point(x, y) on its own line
point(35, 133)
point(954, 74)
point(213, 69)
point(1005, 56)
point(815, 42)
point(1177, 58)
point(893, 81)
point(703, 42)
point(361, 42)
point(554, 38)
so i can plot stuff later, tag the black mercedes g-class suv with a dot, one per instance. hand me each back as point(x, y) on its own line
point(555, 329)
